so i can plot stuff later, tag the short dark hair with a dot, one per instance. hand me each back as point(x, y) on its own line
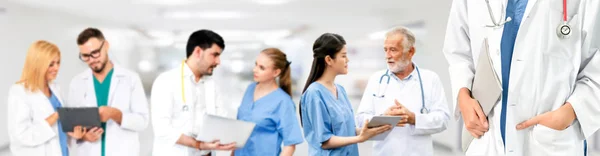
point(89, 33)
point(204, 39)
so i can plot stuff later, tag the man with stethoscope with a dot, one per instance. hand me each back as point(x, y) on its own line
point(545, 52)
point(182, 95)
point(405, 90)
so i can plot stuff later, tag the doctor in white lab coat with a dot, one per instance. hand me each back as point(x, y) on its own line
point(414, 93)
point(551, 78)
point(182, 95)
point(33, 122)
point(117, 92)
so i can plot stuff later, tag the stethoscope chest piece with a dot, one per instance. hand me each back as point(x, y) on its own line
point(424, 110)
point(563, 30)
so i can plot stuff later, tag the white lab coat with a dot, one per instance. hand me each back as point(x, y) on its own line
point(126, 93)
point(28, 131)
point(168, 118)
point(546, 72)
point(411, 140)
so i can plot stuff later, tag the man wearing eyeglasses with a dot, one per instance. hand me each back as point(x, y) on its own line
point(117, 92)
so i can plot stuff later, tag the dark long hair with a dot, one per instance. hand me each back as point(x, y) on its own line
point(328, 44)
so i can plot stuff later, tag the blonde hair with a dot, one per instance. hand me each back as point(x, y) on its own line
point(38, 59)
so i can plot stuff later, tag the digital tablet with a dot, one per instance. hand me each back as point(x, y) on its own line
point(87, 117)
point(377, 121)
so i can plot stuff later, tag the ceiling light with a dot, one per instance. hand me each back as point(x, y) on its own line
point(271, 2)
point(243, 46)
point(180, 45)
point(179, 15)
point(163, 42)
point(204, 14)
point(237, 66)
point(145, 66)
point(162, 2)
point(160, 34)
point(275, 34)
point(219, 15)
point(379, 35)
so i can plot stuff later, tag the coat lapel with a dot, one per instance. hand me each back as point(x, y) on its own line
point(209, 90)
point(114, 83)
point(89, 97)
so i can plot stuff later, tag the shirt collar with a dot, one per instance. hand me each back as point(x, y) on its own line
point(187, 72)
point(409, 77)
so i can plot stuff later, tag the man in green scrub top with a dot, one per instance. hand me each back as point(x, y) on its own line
point(116, 91)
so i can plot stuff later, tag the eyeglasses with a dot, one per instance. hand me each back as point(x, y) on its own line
point(93, 54)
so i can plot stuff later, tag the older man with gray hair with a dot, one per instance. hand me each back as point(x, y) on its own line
point(403, 89)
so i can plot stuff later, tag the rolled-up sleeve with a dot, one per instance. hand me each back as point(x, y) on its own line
point(585, 98)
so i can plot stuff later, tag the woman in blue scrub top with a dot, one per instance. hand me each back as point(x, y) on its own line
point(325, 111)
point(270, 106)
point(33, 123)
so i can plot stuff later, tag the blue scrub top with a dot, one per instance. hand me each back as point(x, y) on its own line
point(62, 136)
point(276, 122)
point(324, 116)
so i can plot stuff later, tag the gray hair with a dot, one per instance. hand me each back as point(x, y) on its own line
point(409, 37)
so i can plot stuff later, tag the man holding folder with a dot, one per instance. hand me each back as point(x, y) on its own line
point(547, 62)
point(182, 96)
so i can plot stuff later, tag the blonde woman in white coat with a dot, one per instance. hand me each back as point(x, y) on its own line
point(33, 125)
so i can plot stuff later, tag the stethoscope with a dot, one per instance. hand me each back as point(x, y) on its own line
point(380, 94)
point(185, 107)
point(563, 30)
point(496, 23)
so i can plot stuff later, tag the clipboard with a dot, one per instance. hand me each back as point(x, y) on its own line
point(88, 117)
point(377, 121)
point(486, 89)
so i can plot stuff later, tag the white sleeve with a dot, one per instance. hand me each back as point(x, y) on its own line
point(161, 108)
point(137, 119)
point(585, 98)
point(457, 50)
point(23, 128)
point(437, 119)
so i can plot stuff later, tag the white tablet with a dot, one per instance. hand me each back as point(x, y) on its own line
point(225, 130)
point(377, 121)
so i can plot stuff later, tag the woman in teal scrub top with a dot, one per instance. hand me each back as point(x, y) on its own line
point(270, 106)
point(325, 111)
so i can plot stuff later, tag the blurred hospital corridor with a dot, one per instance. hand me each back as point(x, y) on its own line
point(149, 37)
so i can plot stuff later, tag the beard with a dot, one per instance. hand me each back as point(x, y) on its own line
point(101, 68)
point(209, 71)
point(399, 66)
